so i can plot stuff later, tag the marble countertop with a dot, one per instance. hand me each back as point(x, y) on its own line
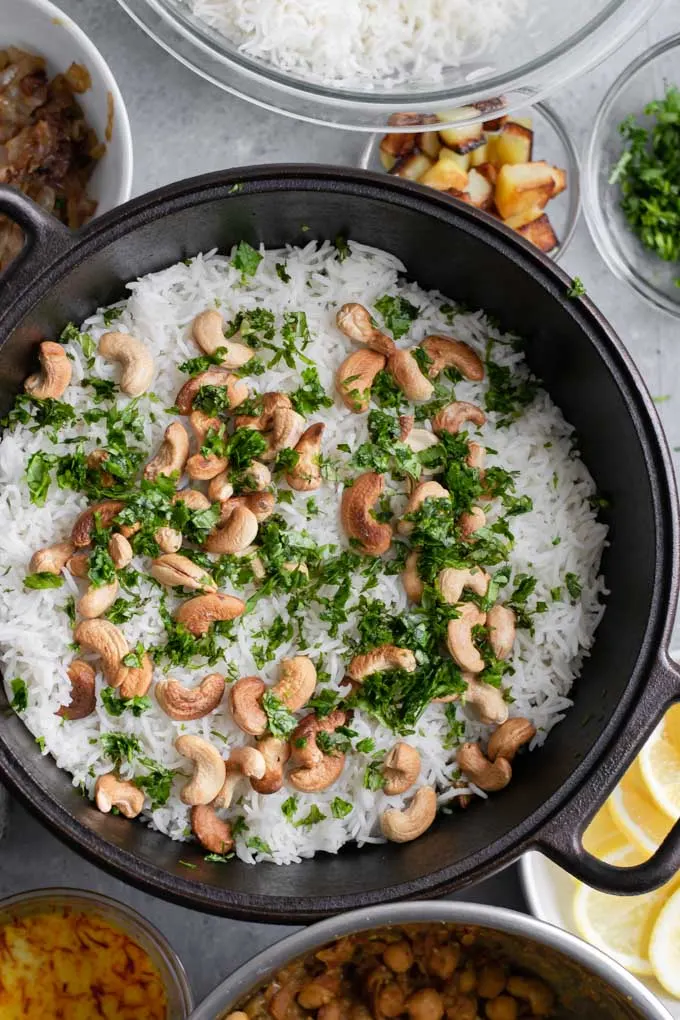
point(183, 126)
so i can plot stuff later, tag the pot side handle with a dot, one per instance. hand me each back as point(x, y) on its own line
point(45, 238)
point(561, 839)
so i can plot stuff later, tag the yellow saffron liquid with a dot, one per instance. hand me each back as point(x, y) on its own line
point(65, 964)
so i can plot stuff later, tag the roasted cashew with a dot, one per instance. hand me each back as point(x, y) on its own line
point(202, 467)
point(54, 375)
point(413, 821)
point(406, 423)
point(111, 792)
point(212, 832)
point(237, 389)
point(83, 696)
point(488, 701)
point(120, 550)
point(297, 680)
point(410, 578)
point(452, 581)
point(355, 322)
point(168, 540)
point(52, 559)
point(174, 570)
point(285, 431)
point(453, 416)
point(261, 505)
point(488, 776)
point(198, 614)
point(256, 477)
point(472, 521)
point(134, 681)
point(500, 623)
point(444, 352)
point(459, 637)
point(318, 777)
point(81, 535)
point(184, 703)
point(78, 565)
point(476, 456)
point(305, 476)
point(208, 331)
point(220, 488)
point(97, 601)
point(107, 641)
point(236, 530)
point(422, 491)
point(403, 368)
point(95, 461)
point(243, 761)
point(379, 659)
point(194, 499)
point(209, 770)
point(400, 769)
point(506, 741)
point(133, 356)
point(355, 377)
point(305, 751)
point(276, 753)
point(358, 501)
point(172, 454)
point(246, 710)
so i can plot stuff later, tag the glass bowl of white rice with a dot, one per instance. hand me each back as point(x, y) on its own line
point(354, 64)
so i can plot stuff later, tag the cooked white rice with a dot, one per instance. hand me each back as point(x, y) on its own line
point(35, 633)
point(363, 43)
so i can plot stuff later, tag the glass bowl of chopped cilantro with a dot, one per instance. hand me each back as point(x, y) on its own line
point(631, 176)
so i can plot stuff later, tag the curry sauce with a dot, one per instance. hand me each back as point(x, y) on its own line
point(65, 963)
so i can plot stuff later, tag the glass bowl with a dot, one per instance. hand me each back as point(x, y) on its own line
point(556, 42)
point(161, 953)
point(552, 144)
point(643, 81)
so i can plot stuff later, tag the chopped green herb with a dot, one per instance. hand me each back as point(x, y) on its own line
point(218, 858)
point(397, 313)
point(314, 816)
point(157, 783)
point(43, 580)
point(104, 389)
point(311, 396)
point(38, 476)
point(373, 775)
point(259, 845)
point(289, 807)
point(342, 248)
point(366, 746)
point(111, 314)
point(115, 705)
point(188, 864)
point(574, 586)
point(282, 272)
point(323, 703)
point(280, 720)
point(246, 259)
point(340, 808)
point(577, 288)
point(19, 700)
point(120, 747)
point(238, 826)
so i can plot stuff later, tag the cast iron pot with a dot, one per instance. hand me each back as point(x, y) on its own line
point(626, 684)
point(588, 985)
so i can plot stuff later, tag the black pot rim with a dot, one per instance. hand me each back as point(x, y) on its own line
point(191, 892)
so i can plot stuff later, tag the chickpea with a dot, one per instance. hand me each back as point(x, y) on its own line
point(467, 980)
point(503, 1007)
point(399, 957)
point(463, 1007)
point(491, 980)
point(389, 1000)
point(442, 961)
point(314, 995)
point(332, 1011)
point(425, 1004)
point(537, 992)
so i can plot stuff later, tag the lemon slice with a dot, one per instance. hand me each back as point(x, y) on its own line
point(660, 764)
point(664, 945)
point(620, 925)
point(600, 831)
point(635, 814)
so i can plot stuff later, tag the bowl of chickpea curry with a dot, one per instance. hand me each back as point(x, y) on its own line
point(431, 961)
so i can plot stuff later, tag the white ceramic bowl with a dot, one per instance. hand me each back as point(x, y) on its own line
point(550, 892)
point(41, 28)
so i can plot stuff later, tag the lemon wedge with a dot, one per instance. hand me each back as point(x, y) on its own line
point(660, 764)
point(635, 814)
point(664, 946)
point(600, 831)
point(620, 925)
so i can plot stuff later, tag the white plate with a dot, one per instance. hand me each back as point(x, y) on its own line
point(550, 891)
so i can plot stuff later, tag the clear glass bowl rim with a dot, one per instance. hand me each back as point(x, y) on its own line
point(548, 114)
point(594, 216)
point(128, 917)
point(369, 111)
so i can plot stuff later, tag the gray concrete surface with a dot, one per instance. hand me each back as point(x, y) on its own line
point(183, 126)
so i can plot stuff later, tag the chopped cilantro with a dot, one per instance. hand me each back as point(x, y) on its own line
point(120, 747)
point(111, 314)
point(373, 774)
point(157, 783)
point(323, 703)
point(574, 586)
point(311, 396)
point(19, 700)
point(289, 807)
point(397, 313)
point(43, 580)
point(282, 272)
point(577, 288)
point(246, 259)
point(38, 476)
point(280, 720)
point(340, 808)
point(259, 845)
point(314, 816)
point(115, 706)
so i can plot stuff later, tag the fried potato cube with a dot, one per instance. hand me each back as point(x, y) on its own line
point(480, 190)
point(540, 233)
point(461, 139)
point(429, 142)
point(560, 179)
point(445, 175)
point(398, 144)
point(412, 167)
point(489, 171)
point(515, 144)
point(461, 159)
point(479, 155)
point(521, 219)
point(387, 160)
point(520, 186)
